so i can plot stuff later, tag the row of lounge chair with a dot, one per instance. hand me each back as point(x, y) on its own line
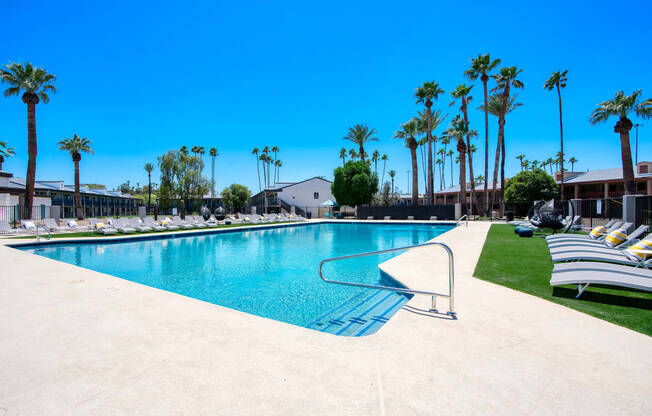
point(623, 259)
point(263, 218)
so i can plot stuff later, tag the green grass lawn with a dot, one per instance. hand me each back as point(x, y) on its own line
point(524, 264)
point(91, 234)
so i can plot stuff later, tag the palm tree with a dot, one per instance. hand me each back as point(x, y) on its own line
point(75, 145)
point(375, 156)
point(462, 93)
point(535, 164)
point(496, 109)
point(360, 134)
point(550, 162)
point(392, 173)
point(149, 168)
point(263, 161)
point(572, 161)
point(525, 165)
point(255, 153)
point(343, 155)
point(520, 159)
point(442, 169)
point(278, 170)
point(459, 129)
point(384, 158)
point(353, 154)
point(440, 164)
point(425, 94)
point(275, 150)
point(450, 154)
point(213, 154)
point(481, 66)
point(183, 150)
point(422, 143)
point(620, 106)
point(558, 80)
point(35, 83)
point(193, 150)
point(479, 178)
point(5, 152)
point(409, 130)
point(436, 118)
point(506, 79)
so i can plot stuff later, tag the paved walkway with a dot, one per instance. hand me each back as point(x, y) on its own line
point(80, 342)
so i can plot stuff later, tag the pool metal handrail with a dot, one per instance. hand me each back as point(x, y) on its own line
point(45, 228)
point(451, 276)
point(463, 217)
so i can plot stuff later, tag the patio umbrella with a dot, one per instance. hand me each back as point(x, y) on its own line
point(330, 203)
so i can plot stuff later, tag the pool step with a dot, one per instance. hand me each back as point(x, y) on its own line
point(363, 314)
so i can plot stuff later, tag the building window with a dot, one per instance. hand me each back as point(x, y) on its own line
point(316, 195)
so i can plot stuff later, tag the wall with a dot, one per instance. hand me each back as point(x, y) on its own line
point(399, 212)
point(302, 194)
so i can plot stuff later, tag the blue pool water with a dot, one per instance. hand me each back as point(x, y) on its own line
point(266, 272)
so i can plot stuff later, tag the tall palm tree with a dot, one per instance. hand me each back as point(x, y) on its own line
point(408, 130)
point(35, 83)
point(343, 155)
point(5, 152)
point(535, 164)
point(149, 168)
point(550, 162)
point(496, 108)
point(506, 79)
point(558, 80)
point(481, 66)
point(392, 173)
point(213, 154)
point(193, 150)
point(525, 165)
point(375, 157)
point(572, 161)
point(75, 145)
point(263, 161)
point(278, 170)
point(275, 150)
point(462, 93)
point(183, 150)
point(360, 134)
point(427, 92)
point(255, 153)
point(436, 118)
point(384, 158)
point(459, 129)
point(353, 154)
point(445, 140)
point(520, 159)
point(422, 146)
point(450, 154)
point(440, 164)
point(620, 106)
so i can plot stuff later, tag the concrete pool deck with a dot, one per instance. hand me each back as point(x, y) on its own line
point(75, 341)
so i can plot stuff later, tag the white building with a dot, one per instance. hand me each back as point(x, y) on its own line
point(305, 197)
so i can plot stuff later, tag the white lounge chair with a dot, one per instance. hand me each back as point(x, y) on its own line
point(51, 225)
point(176, 220)
point(138, 225)
point(201, 222)
point(579, 237)
point(599, 249)
point(601, 255)
point(122, 226)
point(583, 244)
point(5, 228)
point(72, 225)
point(101, 227)
point(149, 222)
point(584, 274)
point(387, 217)
point(169, 224)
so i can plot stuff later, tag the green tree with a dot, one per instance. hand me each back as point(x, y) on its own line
point(354, 184)
point(149, 168)
point(558, 80)
point(343, 155)
point(523, 189)
point(620, 106)
point(5, 152)
point(75, 145)
point(481, 66)
point(425, 94)
point(360, 134)
point(235, 197)
point(181, 178)
point(35, 83)
point(408, 130)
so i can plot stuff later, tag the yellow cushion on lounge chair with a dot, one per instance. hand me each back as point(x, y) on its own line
point(99, 225)
point(246, 219)
point(598, 232)
point(641, 245)
point(163, 222)
point(615, 238)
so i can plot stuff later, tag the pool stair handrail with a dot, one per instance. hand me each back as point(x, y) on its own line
point(451, 276)
point(45, 228)
point(466, 217)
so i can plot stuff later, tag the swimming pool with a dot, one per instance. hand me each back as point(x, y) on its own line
point(269, 272)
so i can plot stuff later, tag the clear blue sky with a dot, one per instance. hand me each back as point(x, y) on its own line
point(139, 79)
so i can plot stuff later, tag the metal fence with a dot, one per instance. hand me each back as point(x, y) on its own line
point(644, 210)
point(398, 212)
point(598, 211)
point(13, 214)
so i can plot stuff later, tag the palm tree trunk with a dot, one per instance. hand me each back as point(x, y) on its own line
point(31, 151)
point(212, 178)
point(497, 161)
point(80, 210)
point(415, 174)
point(264, 175)
point(468, 149)
point(361, 152)
point(260, 188)
point(149, 191)
point(623, 127)
point(561, 136)
point(431, 179)
point(461, 148)
point(384, 166)
point(486, 144)
point(502, 174)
